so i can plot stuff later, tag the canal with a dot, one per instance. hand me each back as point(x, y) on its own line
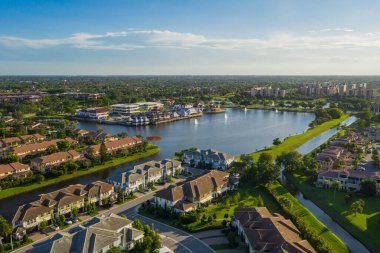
point(347, 238)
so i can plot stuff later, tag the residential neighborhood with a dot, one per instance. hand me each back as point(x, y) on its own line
point(191, 126)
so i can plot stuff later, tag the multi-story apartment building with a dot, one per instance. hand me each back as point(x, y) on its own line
point(93, 113)
point(125, 109)
point(82, 95)
point(267, 91)
point(341, 89)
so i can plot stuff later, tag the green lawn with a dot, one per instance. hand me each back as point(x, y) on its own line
point(309, 219)
point(365, 227)
point(248, 198)
point(114, 162)
point(222, 246)
point(293, 142)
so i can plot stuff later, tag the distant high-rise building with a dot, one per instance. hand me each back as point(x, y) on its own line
point(267, 91)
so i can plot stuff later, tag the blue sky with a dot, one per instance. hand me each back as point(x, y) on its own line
point(190, 37)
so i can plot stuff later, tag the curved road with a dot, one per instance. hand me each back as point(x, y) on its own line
point(175, 239)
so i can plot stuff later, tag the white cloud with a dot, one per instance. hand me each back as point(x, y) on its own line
point(338, 29)
point(137, 39)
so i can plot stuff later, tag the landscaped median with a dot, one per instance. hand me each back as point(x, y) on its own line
point(313, 230)
point(292, 142)
point(112, 163)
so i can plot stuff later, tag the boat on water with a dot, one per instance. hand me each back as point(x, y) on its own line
point(213, 109)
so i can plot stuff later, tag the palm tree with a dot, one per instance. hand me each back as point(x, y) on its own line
point(326, 183)
point(5, 228)
point(336, 185)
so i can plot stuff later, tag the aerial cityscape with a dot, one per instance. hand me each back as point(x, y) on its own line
point(189, 126)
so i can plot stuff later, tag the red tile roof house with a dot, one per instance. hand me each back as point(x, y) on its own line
point(333, 153)
point(195, 192)
point(47, 162)
point(266, 232)
point(16, 141)
point(113, 146)
point(35, 148)
point(349, 179)
point(14, 169)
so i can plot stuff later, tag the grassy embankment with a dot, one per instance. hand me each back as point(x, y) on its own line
point(313, 224)
point(292, 142)
point(114, 162)
point(364, 226)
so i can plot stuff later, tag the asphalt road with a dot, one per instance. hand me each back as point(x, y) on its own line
point(175, 239)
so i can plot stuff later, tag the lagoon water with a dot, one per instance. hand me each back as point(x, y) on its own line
point(236, 132)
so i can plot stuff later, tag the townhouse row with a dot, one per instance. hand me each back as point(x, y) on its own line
point(141, 175)
point(189, 195)
point(47, 162)
point(51, 205)
point(350, 180)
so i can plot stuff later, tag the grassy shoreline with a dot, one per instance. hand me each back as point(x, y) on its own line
point(270, 108)
point(292, 142)
point(114, 162)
